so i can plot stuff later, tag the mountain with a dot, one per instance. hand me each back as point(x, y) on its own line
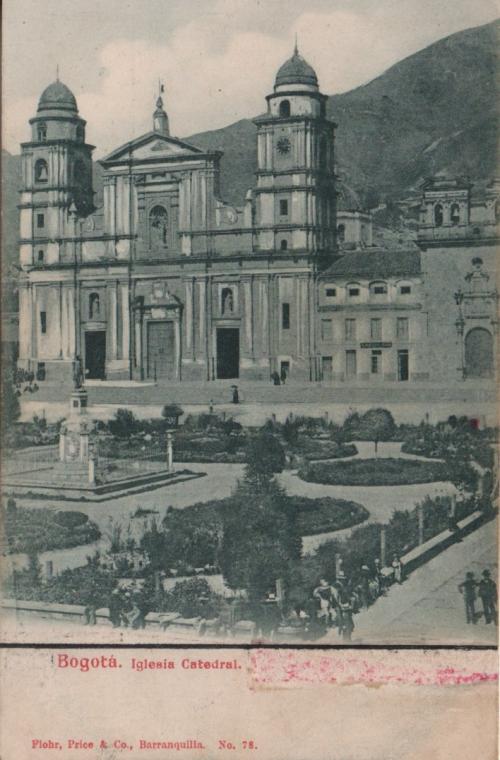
point(434, 111)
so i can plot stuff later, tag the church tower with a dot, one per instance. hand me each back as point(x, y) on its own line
point(295, 194)
point(56, 176)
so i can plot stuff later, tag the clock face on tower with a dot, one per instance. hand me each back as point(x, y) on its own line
point(283, 146)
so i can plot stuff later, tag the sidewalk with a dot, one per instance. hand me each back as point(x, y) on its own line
point(427, 607)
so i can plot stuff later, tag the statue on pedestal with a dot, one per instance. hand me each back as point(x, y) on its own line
point(78, 377)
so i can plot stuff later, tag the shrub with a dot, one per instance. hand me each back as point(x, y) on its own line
point(124, 424)
point(265, 456)
point(70, 519)
point(193, 598)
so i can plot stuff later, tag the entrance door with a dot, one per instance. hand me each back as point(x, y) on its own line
point(326, 368)
point(95, 354)
point(161, 351)
point(479, 353)
point(228, 352)
point(403, 365)
point(350, 363)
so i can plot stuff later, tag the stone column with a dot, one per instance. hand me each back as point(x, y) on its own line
point(420, 515)
point(170, 452)
point(62, 446)
point(383, 546)
point(92, 469)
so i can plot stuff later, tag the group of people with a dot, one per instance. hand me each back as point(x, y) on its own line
point(25, 382)
point(279, 378)
point(127, 609)
point(486, 590)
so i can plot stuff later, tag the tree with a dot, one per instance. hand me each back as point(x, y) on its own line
point(377, 425)
point(265, 457)
point(10, 406)
point(261, 541)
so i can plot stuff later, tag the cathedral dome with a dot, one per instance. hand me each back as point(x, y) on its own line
point(57, 97)
point(296, 71)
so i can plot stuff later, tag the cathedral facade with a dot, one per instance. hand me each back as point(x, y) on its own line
point(168, 283)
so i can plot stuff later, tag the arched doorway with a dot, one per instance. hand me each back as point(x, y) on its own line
point(479, 353)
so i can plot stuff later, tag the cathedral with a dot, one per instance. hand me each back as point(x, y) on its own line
point(167, 282)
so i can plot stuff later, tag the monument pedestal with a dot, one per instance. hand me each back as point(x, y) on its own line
point(74, 450)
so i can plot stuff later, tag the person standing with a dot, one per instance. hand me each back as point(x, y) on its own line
point(325, 594)
point(398, 569)
point(115, 608)
point(487, 590)
point(468, 589)
point(283, 375)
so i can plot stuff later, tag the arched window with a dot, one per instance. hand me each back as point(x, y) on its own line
point(227, 301)
point(94, 306)
point(158, 227)
point(285, 108)
point(284, 245)
point(341, 233)
point(378, 288)
point(438, 215)
point(41, 171)
point(42, 132)
point(455, 214)
point(41, 256)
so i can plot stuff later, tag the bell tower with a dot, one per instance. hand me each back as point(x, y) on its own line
point(295, 194)
point(56, 176)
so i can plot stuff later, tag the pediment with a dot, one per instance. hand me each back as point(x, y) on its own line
point(152, 146)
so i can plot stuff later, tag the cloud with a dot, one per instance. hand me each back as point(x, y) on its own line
point(217, 65)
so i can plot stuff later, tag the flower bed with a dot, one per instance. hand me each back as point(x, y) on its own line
point(374, 472)
point(43, 529)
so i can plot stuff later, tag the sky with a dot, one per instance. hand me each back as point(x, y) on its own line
point(217, 58)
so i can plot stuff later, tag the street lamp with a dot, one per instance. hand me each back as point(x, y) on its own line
point(460, 327)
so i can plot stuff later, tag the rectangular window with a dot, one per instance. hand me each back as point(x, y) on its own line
point(41, 257)
point(402, 328)
point(403, 365)
point(285, 316)
point(353, 292)
point(405, 290)
point(283, 207)
point(376, 361)
point(379, 289)
point(376, 329)
point(350, 363)
point(350, 329)
point(331, 292)
point(43, 322)
point(326, 329)
point(40, 221)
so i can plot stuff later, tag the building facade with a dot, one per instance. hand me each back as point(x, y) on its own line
point(167, 282)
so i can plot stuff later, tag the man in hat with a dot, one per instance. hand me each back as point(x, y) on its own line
point(468, 589)
point(487, 590)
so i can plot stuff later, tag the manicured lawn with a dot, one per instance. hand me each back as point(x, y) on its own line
point(374, 472)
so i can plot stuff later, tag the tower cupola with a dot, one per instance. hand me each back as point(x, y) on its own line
point(160, 117)
point(296, 71)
